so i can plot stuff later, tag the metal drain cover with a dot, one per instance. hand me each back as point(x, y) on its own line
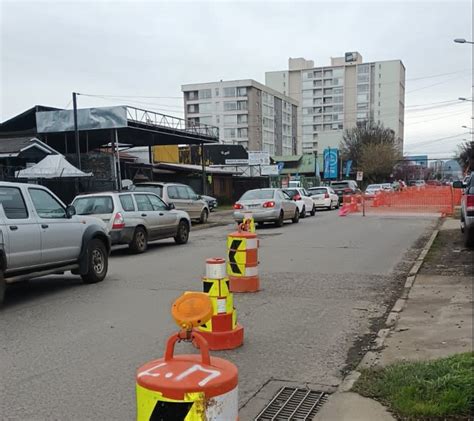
point(291, 403)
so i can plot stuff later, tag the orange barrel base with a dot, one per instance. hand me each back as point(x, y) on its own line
point(244, 284)
point(219, 341)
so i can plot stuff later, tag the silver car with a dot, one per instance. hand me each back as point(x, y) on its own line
point(266, 205)
point(181, 196)
point(135, 218)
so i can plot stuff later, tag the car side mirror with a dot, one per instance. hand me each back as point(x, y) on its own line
point(458, 185)
point(70, 211)
point(171, 206)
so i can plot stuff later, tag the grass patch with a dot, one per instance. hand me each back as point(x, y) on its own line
point(436, 389)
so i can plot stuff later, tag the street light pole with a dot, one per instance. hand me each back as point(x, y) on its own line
point(76, 131)
point(462, 41)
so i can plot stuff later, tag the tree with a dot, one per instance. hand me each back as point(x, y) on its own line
point(466, 156)
point(372, 149)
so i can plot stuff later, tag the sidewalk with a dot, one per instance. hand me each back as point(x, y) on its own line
point(436, 322)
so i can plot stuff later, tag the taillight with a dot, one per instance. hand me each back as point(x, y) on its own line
point(238, 206)
point(326, 195)
point(119, 222)
point(296, 197)
point(270, 204)
point(470, 202)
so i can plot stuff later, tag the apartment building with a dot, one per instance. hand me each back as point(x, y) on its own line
point(337, 97)
point(247, 113)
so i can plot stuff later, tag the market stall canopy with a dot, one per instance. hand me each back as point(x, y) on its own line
point(53, 166)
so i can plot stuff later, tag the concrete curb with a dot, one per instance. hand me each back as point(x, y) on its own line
point(371, 357)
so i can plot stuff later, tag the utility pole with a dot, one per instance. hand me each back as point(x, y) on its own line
point(203, 168)
point(76, 131)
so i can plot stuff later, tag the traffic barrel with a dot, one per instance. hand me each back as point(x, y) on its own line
point(242, 261)
point(190, 387)
point(222, 331)
point(248, 224)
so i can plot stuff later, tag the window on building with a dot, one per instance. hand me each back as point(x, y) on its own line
point(193, 108)
point(362, 97)
point(230, 92)
point(205, 119)
point(362, 88)
point(327, 127)
point(327, 100)
point(318, 74)
point(229, 133)
point(242, 119)
point(337, 91)
point(338, 108)
point(230, 105)
point(339, 98)
point(318, 118)
point(328, 73)
point(206, 107)
point(192, 95)
point(338, 72)
point(327, 82)
point(205, 93)
point(230, 119)
point(242, 91)
point(317, 101)
point(308, 75)
point(328, 109)
point(362, 78)
point(241, 105)
point(242, 133)
point(364, 68)
point(362, 115)
point(328, 91)
point(318, 83)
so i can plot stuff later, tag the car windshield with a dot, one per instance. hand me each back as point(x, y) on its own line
point(94, 205)
point(150, 188)
point(341, 184)
point(374, 187)
point(317, 191)
point(258, 194)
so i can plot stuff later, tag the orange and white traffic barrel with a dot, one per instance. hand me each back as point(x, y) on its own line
point(222, 331)
point(242, 261)
point(191, 387)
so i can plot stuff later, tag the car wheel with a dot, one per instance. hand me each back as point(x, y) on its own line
point(338, 205)
point(3, 287)
point(139, 241)
point(313, 211)
point(303, 212)
point(296, 218)
point(183, 233)
point(203, 217)
point(279, 221)
point(468, 237)
point(97, 262)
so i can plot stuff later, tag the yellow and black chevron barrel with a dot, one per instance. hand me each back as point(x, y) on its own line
point(242, 254)
point(153, 406)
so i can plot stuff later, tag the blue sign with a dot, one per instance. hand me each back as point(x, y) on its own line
point(331, 160)
point(280, 166)
point(348, 167)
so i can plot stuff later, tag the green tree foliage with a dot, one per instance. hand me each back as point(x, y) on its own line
point(372, 149)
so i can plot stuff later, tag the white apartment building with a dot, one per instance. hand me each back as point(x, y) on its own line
point(337, 97)
point(246, 112)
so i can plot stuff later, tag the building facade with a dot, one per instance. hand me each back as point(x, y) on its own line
point(337, 97)
point(247, 113)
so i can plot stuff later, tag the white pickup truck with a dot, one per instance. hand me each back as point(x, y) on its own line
point(39, 235)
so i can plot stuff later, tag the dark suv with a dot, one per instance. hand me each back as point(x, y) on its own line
point(344, 187)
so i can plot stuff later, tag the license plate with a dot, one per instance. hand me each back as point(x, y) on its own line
point(253, 206)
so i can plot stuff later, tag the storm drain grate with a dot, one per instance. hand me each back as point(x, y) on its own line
point(294, 404)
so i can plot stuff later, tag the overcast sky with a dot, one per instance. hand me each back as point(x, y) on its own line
point(133, 48)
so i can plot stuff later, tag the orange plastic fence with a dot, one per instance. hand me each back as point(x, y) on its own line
point(430, 199)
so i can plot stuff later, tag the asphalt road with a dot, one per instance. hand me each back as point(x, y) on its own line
point(70, 351)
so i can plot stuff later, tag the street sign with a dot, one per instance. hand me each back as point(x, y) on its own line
point(236, 161)
point(360, 176)
point(259, 158)
point(269, 170)
point(281, 165)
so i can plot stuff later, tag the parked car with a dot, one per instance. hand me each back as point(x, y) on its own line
point(181, 196)
point(345, 187)
point(211, 202)
point(40, 235)
point(417, 183)
point(266, 205)
point(303, 201)
point(135, 218)
point(467, 210)
point(387, 187)
point(324, 197)
point(372, 190)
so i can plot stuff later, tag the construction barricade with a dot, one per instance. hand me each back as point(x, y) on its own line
point(242, 261)
point(222, 331)
point(190, 387)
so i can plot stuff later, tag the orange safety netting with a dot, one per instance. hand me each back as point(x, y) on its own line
point(427, 200)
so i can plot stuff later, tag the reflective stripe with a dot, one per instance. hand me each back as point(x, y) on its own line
point(251, 271)
point(215, 271)
point(252, 243)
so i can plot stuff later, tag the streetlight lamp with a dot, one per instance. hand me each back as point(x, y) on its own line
point(461, 98)
point(463, 41)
